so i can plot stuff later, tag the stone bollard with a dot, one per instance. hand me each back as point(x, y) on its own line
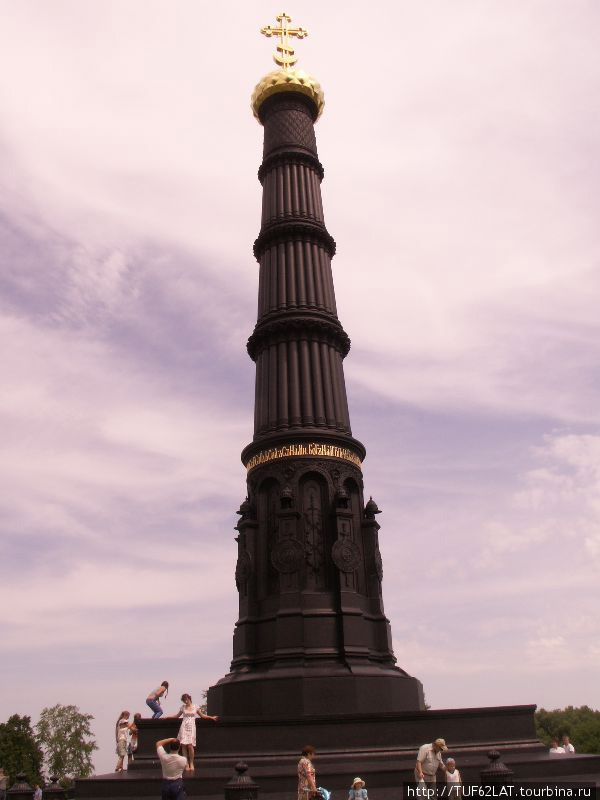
point(54, 789)
point(497, 773)
point(241, 786)
point(21, 788)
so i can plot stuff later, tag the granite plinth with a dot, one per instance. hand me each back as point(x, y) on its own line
point(379, 747)
point(301, 695)
point(376, 735)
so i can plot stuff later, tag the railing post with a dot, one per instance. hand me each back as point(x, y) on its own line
point(496, 773)
point(241, 786)
point(21, 788)
point(54, 789)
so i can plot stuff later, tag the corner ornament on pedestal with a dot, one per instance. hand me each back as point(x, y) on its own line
point(243, 569)
point(378, 564)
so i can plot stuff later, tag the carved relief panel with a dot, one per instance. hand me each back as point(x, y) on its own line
point(315, 532)
point(268, 505)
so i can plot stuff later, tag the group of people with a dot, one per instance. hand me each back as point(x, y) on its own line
point(126, 732)
point(176, 755)
point(126, 735)
point(174, 763)
point(429, 760)
point(565, 748)
point(307, 781)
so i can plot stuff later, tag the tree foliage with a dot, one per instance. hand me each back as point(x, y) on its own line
point(66, 738)
point(582, 725)
point(204, 706)
point(19, 750)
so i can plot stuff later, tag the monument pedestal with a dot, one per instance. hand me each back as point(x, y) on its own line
point(381, 748)
point(331, 691)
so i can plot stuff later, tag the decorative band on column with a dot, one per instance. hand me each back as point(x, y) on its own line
point(303, 450)
point(290, 157)
point(290, 329)
point(283, 232)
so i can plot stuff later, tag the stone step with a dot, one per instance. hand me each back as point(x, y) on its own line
point(384, 781)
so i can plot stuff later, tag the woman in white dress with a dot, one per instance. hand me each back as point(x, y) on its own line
point(187, 729)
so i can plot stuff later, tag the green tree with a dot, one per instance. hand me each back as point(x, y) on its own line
point(204, 706)
point(19, 750)
point(66, 738)
point(581, 724)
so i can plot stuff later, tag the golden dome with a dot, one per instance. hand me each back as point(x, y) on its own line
point(287, 80)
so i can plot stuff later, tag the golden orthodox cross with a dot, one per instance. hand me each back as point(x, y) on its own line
point(285, 52)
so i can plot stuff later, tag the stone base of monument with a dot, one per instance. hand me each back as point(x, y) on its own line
point(380, 748)
point(368, 690)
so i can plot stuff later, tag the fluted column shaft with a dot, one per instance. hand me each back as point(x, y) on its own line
point(298, 343)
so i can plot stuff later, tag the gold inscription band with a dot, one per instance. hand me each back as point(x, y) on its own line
point(304, 449)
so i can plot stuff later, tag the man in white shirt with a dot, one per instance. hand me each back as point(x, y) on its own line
point(172, 765)
point(556, 749)
point(429, 760)
point(567, 746)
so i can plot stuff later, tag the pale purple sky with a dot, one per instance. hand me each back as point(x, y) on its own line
point(460, 143)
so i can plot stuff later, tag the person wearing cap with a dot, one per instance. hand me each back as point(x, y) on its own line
point(429, 760)
point(358, 791)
